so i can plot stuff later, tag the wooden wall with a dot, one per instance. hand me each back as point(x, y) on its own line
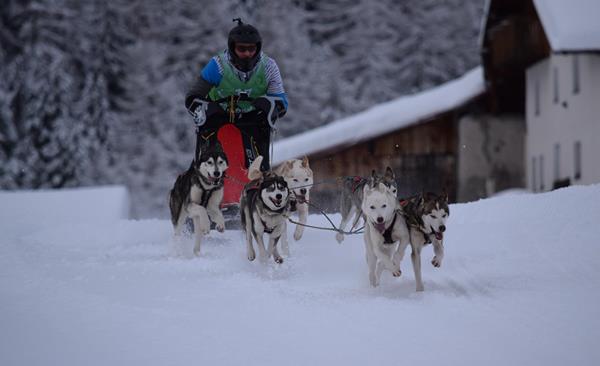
point(513, 40)
point(423, 157)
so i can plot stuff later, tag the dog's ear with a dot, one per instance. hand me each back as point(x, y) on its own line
point(305, 161)
point(254, 171)
point(422, 198)
point(389, 173)
point(445, 195)
point(289, 165)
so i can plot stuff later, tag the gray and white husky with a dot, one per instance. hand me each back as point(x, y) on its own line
point(299, 177)
point(352, 196)
point(425, 216)
point(384, 228)
point(198, 193)
point(264, 207)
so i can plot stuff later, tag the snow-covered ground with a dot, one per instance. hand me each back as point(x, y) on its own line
point(81, 285)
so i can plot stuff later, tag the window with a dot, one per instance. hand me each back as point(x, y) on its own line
point(575, 74)
point(556, 161)
point(555, 70)
point(537, 97)
point(541, 172)
point(577, 156)
point(533, 174)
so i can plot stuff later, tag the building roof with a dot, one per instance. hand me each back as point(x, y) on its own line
point(570, 25)
point(383, 118)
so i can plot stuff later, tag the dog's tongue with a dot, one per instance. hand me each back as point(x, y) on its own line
point(438, 236)
point(380, 227)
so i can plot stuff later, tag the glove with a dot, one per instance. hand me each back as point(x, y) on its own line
point(263, 106)
point(199, 115)
point(201, 110)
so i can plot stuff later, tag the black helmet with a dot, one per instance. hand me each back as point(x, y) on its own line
point(244, 33)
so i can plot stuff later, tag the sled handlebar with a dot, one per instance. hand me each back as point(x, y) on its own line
point(199, 114)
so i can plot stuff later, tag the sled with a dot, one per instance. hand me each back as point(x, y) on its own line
point(231, 140)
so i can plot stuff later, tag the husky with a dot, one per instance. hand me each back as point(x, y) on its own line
point(264, 207)
point(299, 178)
point(384, 228)
point(425, 216)
point(352, 196)
point(198, 192)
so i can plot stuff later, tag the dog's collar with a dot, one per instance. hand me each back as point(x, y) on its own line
point(216, 183)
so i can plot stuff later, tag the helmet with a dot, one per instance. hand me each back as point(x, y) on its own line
point(243, 33)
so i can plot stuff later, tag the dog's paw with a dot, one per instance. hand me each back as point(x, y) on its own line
point(436, 262)
point(298, 233)
point(197, 252)
point(220, 228)
point(339, 237)
point(251, 256)
point(278, 259)
point(397, 272)
point(420, 288)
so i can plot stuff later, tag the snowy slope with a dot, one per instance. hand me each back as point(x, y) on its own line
point(519, 286)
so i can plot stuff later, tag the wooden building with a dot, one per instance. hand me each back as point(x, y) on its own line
point(417, 136)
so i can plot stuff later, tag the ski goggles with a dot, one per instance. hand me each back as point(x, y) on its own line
point(242, 49)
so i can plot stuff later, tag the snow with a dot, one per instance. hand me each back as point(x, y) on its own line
point(570, 25)
point(400, 113)
point(519, 286)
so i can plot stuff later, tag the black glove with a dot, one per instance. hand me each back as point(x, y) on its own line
point(263, 106)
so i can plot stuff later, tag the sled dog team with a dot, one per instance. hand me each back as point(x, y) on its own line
point(390, 225)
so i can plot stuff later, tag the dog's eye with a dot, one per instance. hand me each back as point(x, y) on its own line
point(306, 179)
point(295, 180)
point(433, 216)
point(372, 207)
point(384, 206)
point(444, 215)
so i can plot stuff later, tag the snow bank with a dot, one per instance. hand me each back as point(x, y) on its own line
point(45, 208)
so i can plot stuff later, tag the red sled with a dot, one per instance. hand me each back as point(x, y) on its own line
point(230, 138)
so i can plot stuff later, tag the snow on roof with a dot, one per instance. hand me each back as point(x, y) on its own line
point(383, 118)
point(570, 25)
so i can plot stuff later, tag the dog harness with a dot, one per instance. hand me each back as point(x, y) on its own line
point(207, 193)
point(387, 234)
point(357, 182)
point(413, 220)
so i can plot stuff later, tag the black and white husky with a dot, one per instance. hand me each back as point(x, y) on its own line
point(198, 192)
point(352, 196)
point(384, 228)
point(425, 216)
point(264, 206)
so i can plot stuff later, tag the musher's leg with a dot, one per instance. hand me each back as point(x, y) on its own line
point(256, 136)
point(207, 133)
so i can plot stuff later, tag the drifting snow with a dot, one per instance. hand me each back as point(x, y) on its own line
point(519, 286)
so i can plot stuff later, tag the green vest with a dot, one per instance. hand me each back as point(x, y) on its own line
point(232, 85)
